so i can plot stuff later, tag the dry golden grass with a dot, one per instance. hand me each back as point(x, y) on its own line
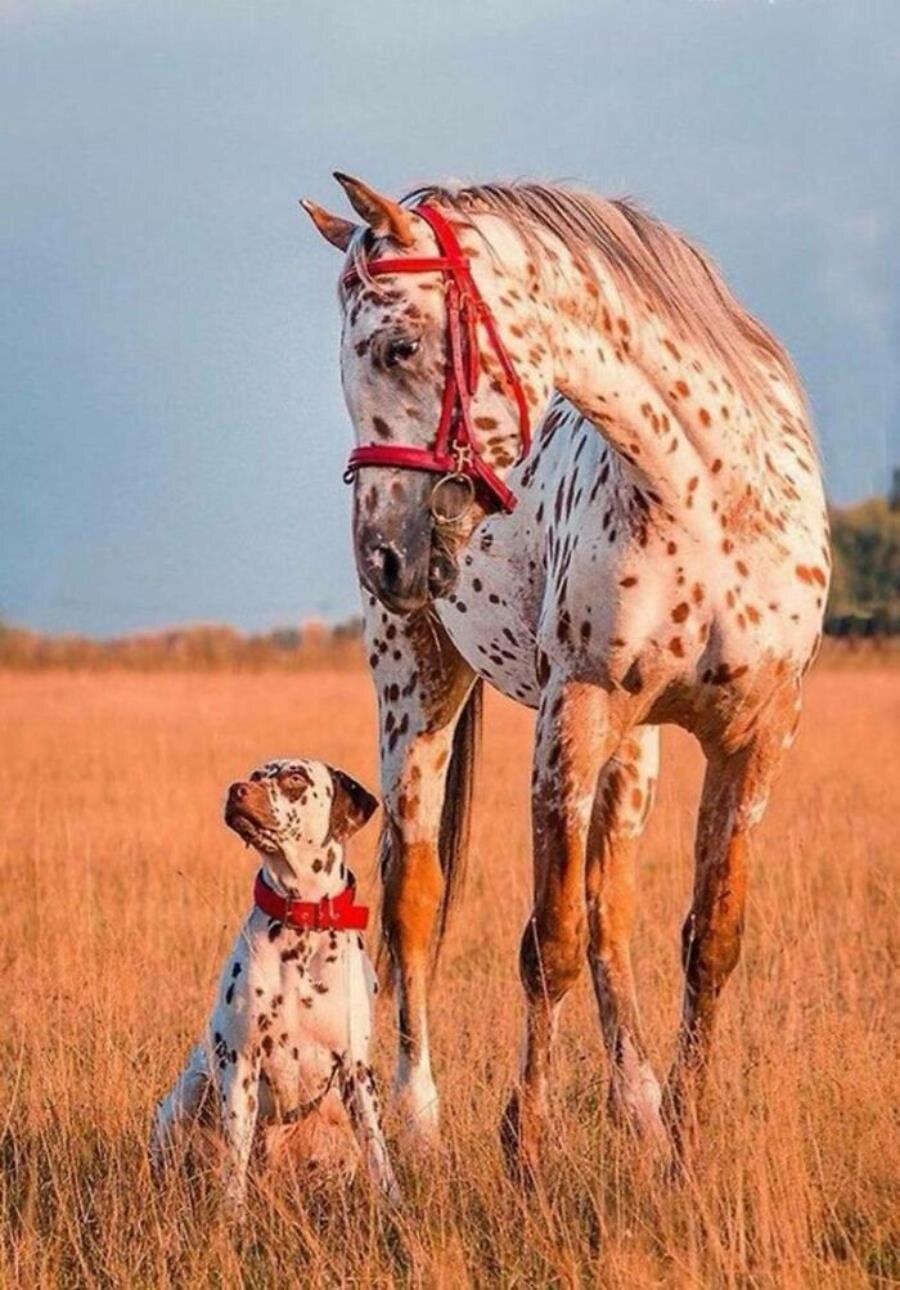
point(122, 891)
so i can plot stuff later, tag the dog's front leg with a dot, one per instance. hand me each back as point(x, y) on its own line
point(239, 1100)
point(179, 1107)
point(360, 1098)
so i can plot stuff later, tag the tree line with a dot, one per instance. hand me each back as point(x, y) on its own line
point(865, 585)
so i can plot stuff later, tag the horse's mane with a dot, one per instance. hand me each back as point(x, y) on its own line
point(644, 255)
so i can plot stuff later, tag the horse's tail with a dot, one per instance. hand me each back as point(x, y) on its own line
point(456, 814)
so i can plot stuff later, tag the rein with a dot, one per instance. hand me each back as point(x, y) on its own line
point(454, 454)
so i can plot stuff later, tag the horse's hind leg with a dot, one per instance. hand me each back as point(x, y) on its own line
point(735, 793)
point(576, 733)
point(625, 791)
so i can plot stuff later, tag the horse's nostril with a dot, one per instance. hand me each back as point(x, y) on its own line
point(442, 574)
point(389, 561)
point(396, 575)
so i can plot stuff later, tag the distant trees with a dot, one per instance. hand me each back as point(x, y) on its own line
point(865, 587)
point(197, 648)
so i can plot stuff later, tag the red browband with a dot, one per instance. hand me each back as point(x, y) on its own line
point(331, 913)
point(455, 450)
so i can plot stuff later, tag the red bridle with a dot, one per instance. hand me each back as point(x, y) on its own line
point(455, 449)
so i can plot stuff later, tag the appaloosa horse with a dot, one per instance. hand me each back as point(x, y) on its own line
point(659, 553)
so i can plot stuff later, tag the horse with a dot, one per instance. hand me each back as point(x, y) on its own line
point(656, 551)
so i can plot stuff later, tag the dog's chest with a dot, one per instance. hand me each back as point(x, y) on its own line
point(305, 1000)
point(312, 970)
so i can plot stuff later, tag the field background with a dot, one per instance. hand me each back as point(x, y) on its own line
point(122, 890)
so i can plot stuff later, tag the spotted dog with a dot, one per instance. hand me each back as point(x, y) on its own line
point(293, 1018)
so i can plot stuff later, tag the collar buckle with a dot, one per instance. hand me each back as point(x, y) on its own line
point(326, 915)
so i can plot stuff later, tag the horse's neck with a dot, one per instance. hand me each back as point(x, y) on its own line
point(666, 405)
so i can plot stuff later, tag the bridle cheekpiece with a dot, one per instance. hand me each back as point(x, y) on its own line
point(454, 453)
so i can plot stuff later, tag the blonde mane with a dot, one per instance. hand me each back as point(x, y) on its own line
point(645, 256)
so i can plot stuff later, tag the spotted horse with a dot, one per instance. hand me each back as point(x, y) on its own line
point(657, 553)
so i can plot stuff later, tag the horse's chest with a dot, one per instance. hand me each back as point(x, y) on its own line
point(520, 572)
point(493, 614)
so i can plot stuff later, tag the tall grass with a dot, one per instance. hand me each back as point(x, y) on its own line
point(122, 890)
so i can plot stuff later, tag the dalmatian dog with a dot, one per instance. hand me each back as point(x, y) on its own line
point(293, 1018)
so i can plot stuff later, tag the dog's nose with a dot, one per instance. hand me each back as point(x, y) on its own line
point(237, 792)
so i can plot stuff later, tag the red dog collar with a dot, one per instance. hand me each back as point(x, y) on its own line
point(454, 451)
point(331, 913)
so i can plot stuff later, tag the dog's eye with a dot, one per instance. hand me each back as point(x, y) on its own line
point(400, 349)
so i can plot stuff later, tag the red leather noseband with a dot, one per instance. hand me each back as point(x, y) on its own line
point(455, 450)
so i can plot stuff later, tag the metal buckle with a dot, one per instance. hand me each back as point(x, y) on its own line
point(324, 913)
point(463, 457)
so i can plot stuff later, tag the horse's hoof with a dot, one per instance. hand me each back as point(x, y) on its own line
point(520, 1140)
point(642, 1118)
point(682, 1107)
point(419, 1117)
point(421, 1138)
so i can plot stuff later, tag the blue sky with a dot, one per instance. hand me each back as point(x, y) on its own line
point(173, 433)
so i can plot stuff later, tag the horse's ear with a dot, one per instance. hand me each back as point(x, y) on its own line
point(335, 230)
point(351, 806)
point(384, 216)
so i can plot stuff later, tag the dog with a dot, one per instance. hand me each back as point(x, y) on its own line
point(293, 1019)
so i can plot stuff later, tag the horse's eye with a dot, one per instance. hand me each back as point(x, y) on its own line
point(400, 349)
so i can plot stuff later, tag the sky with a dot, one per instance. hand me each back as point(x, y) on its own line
point(172, 432)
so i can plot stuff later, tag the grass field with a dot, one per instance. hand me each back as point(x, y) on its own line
point(122, 889)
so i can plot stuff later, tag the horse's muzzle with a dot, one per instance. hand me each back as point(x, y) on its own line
point(404, 581)
point(400, 584)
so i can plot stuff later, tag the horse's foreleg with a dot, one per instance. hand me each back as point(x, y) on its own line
point(423, 689)
point(624, 797)
point(574, 738)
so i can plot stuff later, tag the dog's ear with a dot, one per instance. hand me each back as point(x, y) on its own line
point(351, 806)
